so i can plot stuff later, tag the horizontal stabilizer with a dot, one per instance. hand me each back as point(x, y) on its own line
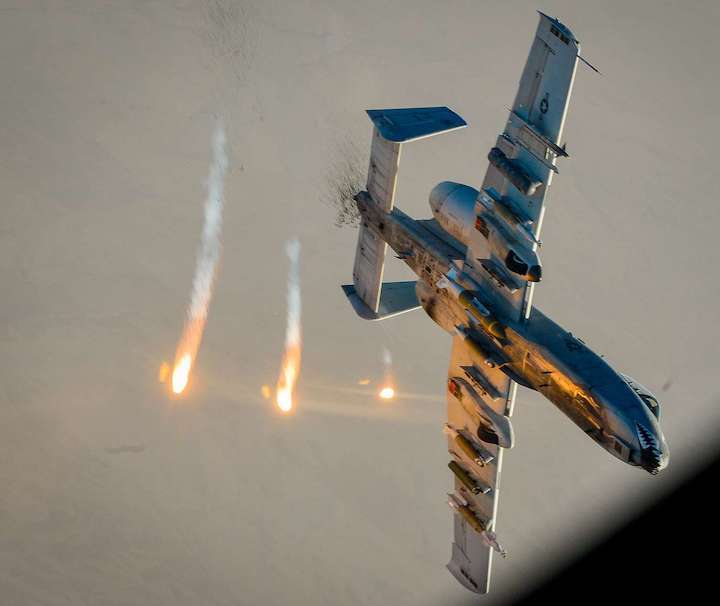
point(395, 298)
point(410, 124)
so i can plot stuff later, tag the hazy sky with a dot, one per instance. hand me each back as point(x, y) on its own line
point(113, 493)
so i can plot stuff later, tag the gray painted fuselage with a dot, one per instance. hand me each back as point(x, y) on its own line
point(537, 353)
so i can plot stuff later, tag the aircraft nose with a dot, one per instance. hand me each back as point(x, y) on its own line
point(654, 461)
point(653, 454)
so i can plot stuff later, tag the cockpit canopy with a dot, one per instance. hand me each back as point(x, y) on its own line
point(645, 395)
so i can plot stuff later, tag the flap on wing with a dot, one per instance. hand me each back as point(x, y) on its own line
point(473, 574)
point(471, 559)
point(410, 124)
point(395, 298)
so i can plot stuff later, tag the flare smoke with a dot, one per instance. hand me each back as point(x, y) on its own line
point(207, 259)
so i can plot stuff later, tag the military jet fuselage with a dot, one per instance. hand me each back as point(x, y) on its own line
point(477, 265)
point(615, 411)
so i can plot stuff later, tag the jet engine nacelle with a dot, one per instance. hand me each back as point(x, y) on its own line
point(647, 396)
point(454, 208)
point(453, 205)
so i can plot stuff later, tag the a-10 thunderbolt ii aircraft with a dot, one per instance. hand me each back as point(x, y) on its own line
point(477, 264)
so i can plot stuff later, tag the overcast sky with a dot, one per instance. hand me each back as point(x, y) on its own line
point(115, 493)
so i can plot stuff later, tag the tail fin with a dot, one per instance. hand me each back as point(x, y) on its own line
point(369, 266)
point(392, 128)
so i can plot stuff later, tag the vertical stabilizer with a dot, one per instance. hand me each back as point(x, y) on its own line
point(392, 128)
point(371, 249)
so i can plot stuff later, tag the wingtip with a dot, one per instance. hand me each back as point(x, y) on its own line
point(559, 23)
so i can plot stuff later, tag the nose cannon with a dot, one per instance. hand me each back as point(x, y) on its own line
point(632, 429)
point(653, 455)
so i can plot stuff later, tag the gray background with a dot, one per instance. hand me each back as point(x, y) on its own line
point(113, 493)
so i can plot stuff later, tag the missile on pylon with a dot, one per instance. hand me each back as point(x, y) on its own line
point(460, 506)
point(479, 314)
point(489, 358)
point(467, 480)
point(472, 451)
point(476, 311)
point(477, 348)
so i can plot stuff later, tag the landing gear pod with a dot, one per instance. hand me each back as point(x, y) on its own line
point(512, 171)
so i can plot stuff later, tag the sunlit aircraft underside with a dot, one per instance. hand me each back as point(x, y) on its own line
point(477, 263)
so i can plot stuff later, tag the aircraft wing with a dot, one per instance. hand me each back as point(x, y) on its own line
point(522, 163)
point(478, 430)
point(480, 395)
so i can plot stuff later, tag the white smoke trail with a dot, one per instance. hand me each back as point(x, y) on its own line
point(387, 360)
point(293, 334)
point(209, 251)
point(208, 255)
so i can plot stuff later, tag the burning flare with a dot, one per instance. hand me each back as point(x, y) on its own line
point(163, 372)
point(293, 336)
point(181, 374)
point(207, 259)
point(387, 391)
